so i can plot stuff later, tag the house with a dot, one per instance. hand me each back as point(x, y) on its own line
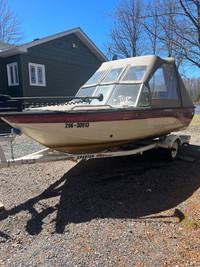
point(57, 65)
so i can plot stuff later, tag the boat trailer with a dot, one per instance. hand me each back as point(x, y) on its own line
point(170, 142)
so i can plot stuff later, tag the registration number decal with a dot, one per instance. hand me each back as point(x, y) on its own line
point(77, 125)
point(85, 156)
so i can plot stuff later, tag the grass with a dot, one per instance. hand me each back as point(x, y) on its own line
point(189, 223)
point(196, 120)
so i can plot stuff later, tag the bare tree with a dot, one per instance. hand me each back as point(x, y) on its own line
point(151, 23)
point(164, 27)
point(126, 33)
point(10, 25)
point(193, 87)
point(168, 23)
point(180, 24)
point(189, 30)
point(159, 22)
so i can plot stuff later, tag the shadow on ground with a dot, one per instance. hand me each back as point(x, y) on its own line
point(122, 187)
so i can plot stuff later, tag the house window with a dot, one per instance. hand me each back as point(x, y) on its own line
point(12, 72)
point(37, 74)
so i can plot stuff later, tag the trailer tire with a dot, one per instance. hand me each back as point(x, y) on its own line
point(173, 152)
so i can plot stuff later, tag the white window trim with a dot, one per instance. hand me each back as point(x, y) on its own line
point(16, 79)
point(43, 74)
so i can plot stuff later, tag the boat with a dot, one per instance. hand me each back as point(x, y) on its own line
point(125, 101)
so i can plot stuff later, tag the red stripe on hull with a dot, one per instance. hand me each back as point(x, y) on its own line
point(182, 114)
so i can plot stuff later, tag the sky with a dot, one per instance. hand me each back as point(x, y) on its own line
point(41, 18)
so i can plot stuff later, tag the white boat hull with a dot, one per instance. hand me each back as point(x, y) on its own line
point(91, 136)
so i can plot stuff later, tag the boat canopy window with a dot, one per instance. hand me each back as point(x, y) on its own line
point(96, 77)
point(163, 84)
point(105, 91)
point(144, 98)
point(86, 91)
point(135, 73)
point(124, 95)
point(113, 75)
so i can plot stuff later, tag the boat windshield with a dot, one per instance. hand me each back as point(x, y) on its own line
point(113, 94)
point(90, 91)
point(124, 95)
point(95, 78)
point(105, 91)
point(86, 91)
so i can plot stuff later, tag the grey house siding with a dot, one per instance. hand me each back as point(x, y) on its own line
point(13, 90)
point(3, 88)
point(67, 68)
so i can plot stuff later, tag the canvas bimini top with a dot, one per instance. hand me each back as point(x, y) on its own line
point(142, 82)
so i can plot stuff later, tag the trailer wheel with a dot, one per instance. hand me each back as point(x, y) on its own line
point(173, 152)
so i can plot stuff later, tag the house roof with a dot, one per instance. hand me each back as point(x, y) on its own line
point(10, 50)
point(5, 46)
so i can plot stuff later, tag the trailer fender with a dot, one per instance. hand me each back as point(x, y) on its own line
point(171, 144)
point(169, 141)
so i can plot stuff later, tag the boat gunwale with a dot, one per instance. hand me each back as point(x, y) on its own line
point(59, 112)
point(117, 115)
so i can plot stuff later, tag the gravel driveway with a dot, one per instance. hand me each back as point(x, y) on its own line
point(125, 211)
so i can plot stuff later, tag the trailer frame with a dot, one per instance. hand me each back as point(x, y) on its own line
point(50, 155)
